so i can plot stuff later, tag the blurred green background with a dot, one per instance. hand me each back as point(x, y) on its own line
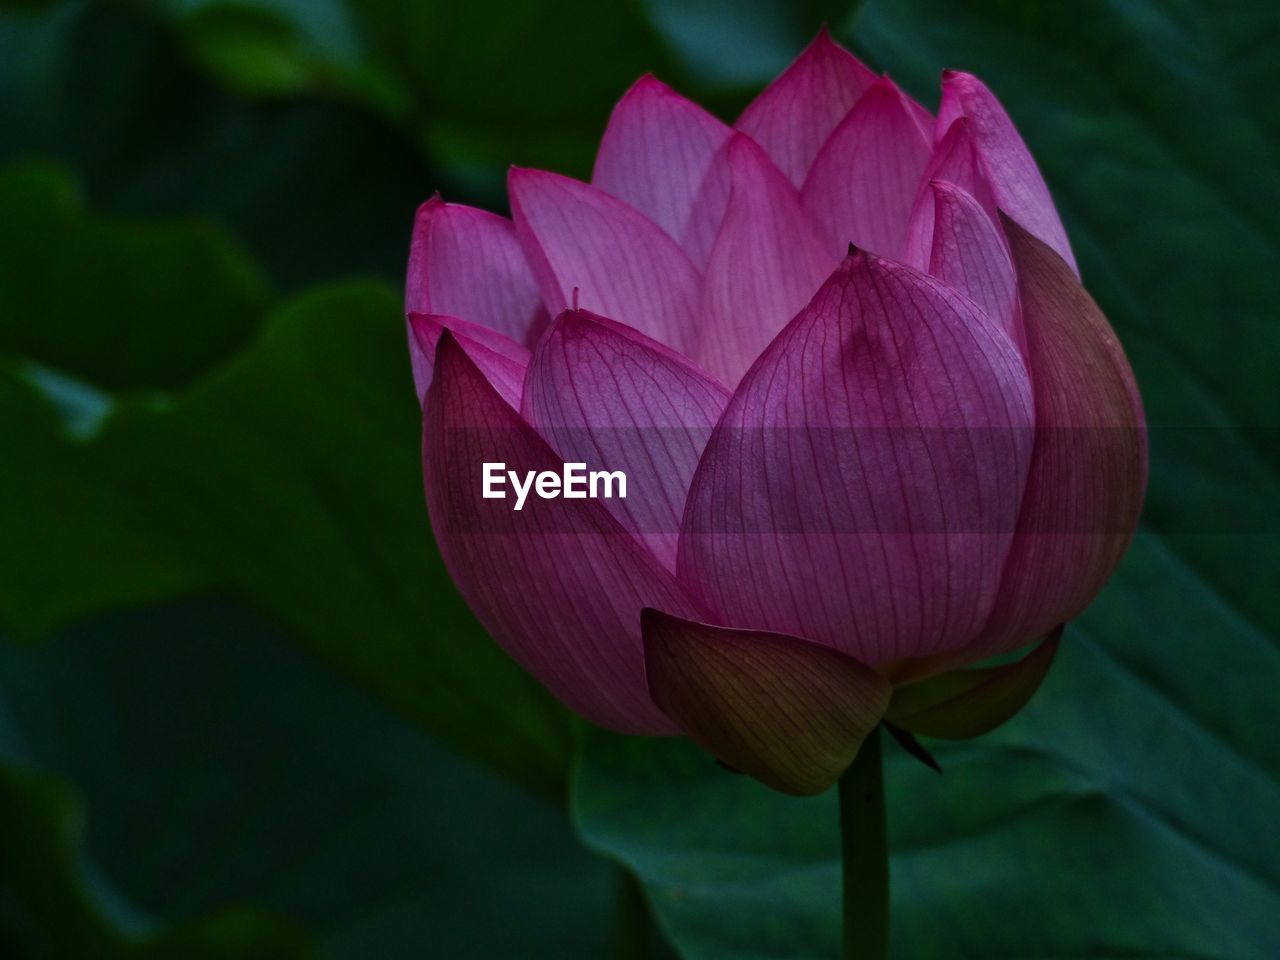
point(243, 712)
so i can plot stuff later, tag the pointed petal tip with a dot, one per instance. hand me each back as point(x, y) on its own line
point(886, 83)
point(518, 176)
point(421, 324)
point(742, 148)
point(426, 211)
point(647, 84)
point(952, 78)
point(449, 350)
point(574, 318)
point(824, 42)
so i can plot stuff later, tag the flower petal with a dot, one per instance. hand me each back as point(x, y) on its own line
point(620, 262)
point(863, 183)
point(794, 115)
point(559, 584)
point(789, 712)
point(962, 704)
point(605, 395)
point(656, 153)
point(955, 160)
point(766, 264)
point(862, 486)
point(502, 361)
point(1089, 466)
point(1019, 188)
point(957, 242)
point(467, 263)
point(709, 208)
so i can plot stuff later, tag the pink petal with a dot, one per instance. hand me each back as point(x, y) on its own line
point(499, 358)
point(789, 712)
point(961, 246)
point(709, 208)
point(863, 183)
point(656, 153)
point(1019, 188)
point(604, 395)
point(766, 263)
point(621, 263)
point(795, 114)
point(467, 263)
point(1089, 466)
point(862, 486)
point(559, 584)
point(955, 160)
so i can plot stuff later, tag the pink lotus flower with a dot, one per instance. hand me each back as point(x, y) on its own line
point(873, 426)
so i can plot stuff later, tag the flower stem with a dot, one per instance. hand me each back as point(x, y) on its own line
point(632, 925)
point(865, 850)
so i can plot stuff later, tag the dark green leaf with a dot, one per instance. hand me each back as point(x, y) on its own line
point(729, 48)
point(243, 772)
point(291, 477)
point(960, 704)
point(125, 305)
point(1126, 812)
point(314, 186)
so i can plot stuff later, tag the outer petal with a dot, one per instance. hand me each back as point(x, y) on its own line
point(968, 703)
point(862, 486)
point(502, 361)
point(955, 241)
point(794, 115)
point(766, 264)
point(656, 153)
point(864, 181)
point(789, 712)
point(1019, 188)
point(467, 263)
point(1089, 466)
point(609, 397)
point(621, 263)
point(559, 584)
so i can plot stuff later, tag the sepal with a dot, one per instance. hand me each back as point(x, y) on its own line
point(962, 704)
point(789, 712)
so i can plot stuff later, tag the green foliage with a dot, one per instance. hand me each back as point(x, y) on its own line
point(127, 306)
point(244, 773)
point(1125, 812)
point(183, 780)
point(291, 477)
point(57, 908)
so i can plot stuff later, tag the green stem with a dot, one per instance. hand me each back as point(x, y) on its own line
point(631, 929)
point(865, 850)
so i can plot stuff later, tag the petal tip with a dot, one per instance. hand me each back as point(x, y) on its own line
point(647, 85)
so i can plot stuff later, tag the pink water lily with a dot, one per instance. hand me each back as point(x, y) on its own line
point(874, 427)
